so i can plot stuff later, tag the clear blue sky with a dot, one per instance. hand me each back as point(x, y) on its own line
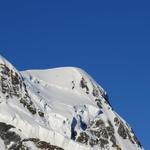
point(109, 39)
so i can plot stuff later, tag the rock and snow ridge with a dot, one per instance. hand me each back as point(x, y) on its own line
point(58, 109)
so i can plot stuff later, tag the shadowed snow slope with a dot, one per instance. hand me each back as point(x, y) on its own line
point(56, 109)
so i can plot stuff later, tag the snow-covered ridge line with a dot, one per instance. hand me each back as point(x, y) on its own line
point(56, 75)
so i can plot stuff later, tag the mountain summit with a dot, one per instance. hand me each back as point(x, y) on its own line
point(58, 109)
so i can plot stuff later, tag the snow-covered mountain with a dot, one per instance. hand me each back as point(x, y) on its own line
point(58, 109)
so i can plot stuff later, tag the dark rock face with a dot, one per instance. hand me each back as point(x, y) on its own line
point(12, 85)
point(39, 144)
point(126, 132)
point(98, 134)
point(13, 141)
point(83, 84)
point(83, 138)
point(8, 136)
point(41, 114)
point(95, 91)
point(99, 103)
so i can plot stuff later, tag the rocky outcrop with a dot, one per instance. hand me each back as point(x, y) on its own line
point(13, 141)
point(12, 85)
point(125, 131)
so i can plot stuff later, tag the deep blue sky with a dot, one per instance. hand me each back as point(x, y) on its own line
point(109, 39)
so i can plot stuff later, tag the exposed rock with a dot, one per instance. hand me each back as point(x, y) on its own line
point(41, 113)
point(125, 132)
point(8, 136)
point(99, 103)
point(12, 84)
point(83, 84)
point(83, 138)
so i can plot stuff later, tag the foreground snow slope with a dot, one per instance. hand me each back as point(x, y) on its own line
point(55, 109)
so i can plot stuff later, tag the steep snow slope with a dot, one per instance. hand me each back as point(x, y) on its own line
point(61, 108)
